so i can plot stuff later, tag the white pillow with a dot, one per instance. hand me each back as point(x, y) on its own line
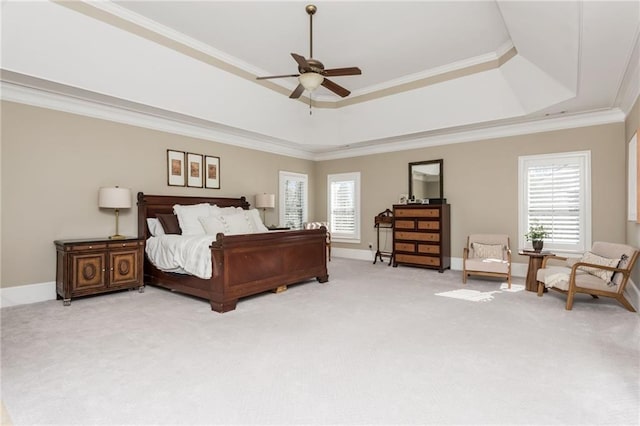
point(212, 225)
point(254, 217)
point(488, 251)
point(224, 211)
point(188, 217)
point(237, 224)
point(155, 227)
point(593, 258)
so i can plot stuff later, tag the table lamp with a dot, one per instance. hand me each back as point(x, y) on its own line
point(115, 198)
point(264, 202)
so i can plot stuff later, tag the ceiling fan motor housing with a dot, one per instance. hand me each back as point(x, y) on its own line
point(314, 66)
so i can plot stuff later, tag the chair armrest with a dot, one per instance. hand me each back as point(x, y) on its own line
point(547, 259)
point(593, 265)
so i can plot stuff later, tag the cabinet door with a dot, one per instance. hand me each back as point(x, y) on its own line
point(123, 267)
point(88, 271)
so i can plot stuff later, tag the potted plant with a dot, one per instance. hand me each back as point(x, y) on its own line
point(536, 234)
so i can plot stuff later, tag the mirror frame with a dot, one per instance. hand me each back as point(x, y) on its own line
point(420, 163)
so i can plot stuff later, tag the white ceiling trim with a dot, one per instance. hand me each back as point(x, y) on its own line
point(240, 138)
point(171, 34)
point(448, 68)
point(61, 102)
point(629, 88)
point(252, 71)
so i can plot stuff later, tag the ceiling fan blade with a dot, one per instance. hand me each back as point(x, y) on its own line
point(334, 72)
point(297, 92)
point(335, 88)
point(277, 76)
point(302, 62)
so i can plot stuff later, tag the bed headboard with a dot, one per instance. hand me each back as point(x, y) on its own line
point(151, 205)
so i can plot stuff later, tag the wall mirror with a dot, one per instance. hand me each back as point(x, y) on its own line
point(425, 180)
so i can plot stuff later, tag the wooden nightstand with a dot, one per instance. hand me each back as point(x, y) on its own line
point(98, 265)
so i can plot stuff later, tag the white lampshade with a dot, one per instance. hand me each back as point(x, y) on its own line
point(114, 198)
point(311, 80)
point(265, 201)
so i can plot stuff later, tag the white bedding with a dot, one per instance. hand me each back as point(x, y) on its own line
point(181, 253)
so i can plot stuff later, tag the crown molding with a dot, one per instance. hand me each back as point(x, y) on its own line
point(167, 121)
point(498, 130)
point(154, 118)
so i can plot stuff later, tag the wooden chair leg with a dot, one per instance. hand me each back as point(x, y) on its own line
point(569, 305)
point(540, 288)
point(509, 280)
point(625, 302)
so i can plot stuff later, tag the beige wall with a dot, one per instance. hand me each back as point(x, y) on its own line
point(480, 182)
point(53, 164)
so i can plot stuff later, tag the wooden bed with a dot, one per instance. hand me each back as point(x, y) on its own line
point(243, 265)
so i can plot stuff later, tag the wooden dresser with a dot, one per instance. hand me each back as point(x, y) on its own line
point(98, 265)
point(422, 235)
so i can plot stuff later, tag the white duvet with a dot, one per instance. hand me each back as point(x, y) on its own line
point(181, 254)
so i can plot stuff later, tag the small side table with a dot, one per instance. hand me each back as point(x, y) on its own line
point(98, 265)
point(535, 262)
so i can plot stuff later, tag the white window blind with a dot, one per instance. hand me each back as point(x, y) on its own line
point(293, 199)
point(555, 193)
point(344, 206)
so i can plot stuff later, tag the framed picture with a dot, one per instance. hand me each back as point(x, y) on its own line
point(194, 170)
point(211, 172)
point(175, 168)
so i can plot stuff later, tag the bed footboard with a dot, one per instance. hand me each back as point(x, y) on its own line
point(249, 264)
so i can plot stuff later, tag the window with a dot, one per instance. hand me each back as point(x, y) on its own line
point(293, 205)
point(555, 191)
point(344, 206)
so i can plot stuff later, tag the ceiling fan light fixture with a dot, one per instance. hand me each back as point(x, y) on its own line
point(311, 80)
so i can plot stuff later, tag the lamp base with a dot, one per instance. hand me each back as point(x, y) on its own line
point(117, 237)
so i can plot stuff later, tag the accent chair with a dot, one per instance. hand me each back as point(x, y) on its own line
point(487, 255)
point(603, 271)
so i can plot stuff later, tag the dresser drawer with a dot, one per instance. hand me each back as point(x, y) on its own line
point(418, 236)
point(84, 247)
point(411, 247)
point(405, 224)
point(432, 225)
point(418, 260)
point(428, 249)
point(421, 212)
point(128, 244)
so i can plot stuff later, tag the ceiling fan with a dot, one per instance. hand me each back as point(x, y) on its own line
point(311, 72)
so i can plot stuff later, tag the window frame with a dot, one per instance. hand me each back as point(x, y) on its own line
point(341, 236)
point(283, 178)
point(583, 159)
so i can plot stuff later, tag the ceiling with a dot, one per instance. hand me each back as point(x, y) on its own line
point(432, 71)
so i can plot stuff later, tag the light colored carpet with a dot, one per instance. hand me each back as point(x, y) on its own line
point(372, 346)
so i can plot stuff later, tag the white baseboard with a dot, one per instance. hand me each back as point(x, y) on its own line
point(24, 294)
point(517, 269)
point(356, 254)
point(33, 293)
